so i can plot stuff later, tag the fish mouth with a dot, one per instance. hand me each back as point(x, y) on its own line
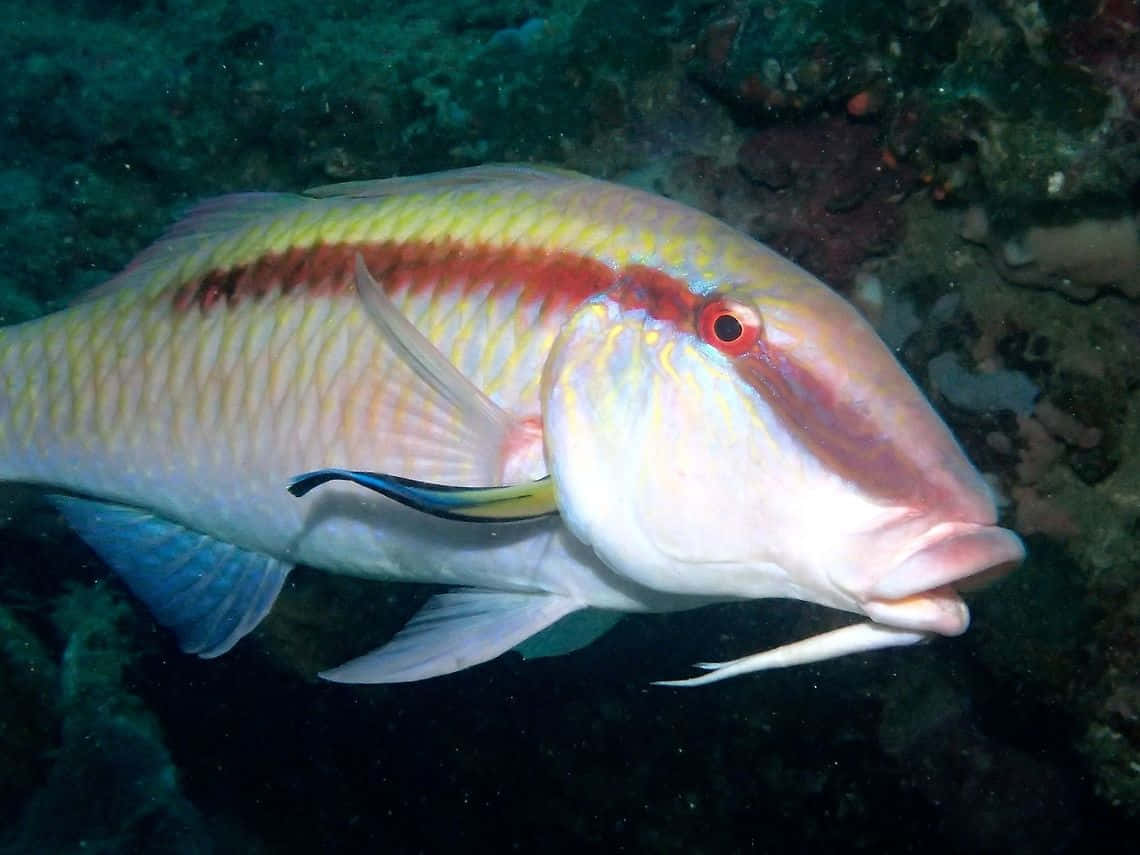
point(921, 591)
point(955, 554)
point(917, 599)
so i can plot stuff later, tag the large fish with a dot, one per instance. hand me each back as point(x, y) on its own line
point(555, 393)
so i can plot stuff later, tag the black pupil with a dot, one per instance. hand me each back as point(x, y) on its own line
point(727, 328)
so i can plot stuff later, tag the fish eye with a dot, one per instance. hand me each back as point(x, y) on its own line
point(731, 327)
point(727, 328)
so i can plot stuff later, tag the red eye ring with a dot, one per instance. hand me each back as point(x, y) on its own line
point(732, 328)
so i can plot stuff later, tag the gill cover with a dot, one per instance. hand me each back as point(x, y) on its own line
point(644, 429)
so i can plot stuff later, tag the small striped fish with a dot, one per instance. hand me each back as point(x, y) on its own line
point(562, 396)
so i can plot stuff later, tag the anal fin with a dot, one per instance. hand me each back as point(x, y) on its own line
point(210, 593)
point(454, 631)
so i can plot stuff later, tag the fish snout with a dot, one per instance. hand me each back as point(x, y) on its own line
point(921, 591)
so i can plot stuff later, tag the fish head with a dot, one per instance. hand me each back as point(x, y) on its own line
point(754, 438)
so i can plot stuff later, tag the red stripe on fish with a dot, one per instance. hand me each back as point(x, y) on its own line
point(662, 296)
point(838, 433)
point(557, 280)
point(835, 430)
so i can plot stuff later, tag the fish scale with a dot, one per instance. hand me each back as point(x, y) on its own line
point(519, 219)
point(220, 359)
point(507, 379)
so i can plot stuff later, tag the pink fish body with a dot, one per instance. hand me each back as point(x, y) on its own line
point(675, 415)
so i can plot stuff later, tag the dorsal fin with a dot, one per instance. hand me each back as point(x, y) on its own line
point(200, 224)
point(206, 220)
point(218, 214)
point(489, 174)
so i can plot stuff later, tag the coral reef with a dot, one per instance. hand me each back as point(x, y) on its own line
point(1078, 259)
point(981, 392)
point(800, 56)
point(819, 192)
point(1067, 468)
point(112, 786)
point(1026, 108)
point(824, 194)
point(1112, 740)
point(1106, 39)
point(29, 685)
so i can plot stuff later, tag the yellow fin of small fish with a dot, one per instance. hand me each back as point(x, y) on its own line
point(200, 224)
point(511, 503)
point(402, 185)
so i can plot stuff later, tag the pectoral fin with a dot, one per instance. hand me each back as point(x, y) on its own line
point(478, 411)
point(473, 440)
point(454, 631)
point(511, 503)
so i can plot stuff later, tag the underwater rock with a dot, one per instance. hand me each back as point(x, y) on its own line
point(1106, 39)
point(29, 713)
point(981, 392)
point(978, 95)
point(1039, 514)
point(112, 121)
point(113, 786)
point(1011, 120)
point(112, 789)
point(1066, 426)
point(1079, 259)
point(818, 192)
point(821, 193)
point(1112, 741)
point(800, 56)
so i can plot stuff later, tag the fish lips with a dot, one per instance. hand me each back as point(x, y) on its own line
point(921, 591)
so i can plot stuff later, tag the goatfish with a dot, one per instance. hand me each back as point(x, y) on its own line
point(556, 395)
